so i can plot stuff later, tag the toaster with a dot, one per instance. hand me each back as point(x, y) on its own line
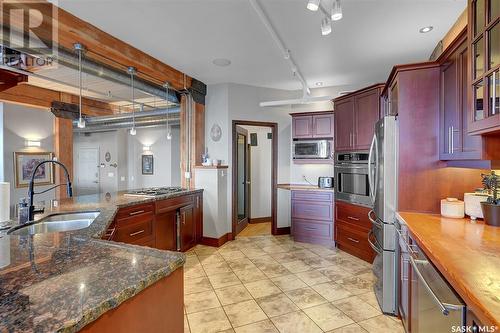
point(325, 182)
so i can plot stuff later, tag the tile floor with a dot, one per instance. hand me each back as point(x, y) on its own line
point(268, 284)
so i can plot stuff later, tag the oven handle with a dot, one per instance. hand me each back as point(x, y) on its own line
point(370, 180)
point(373, 246)
point(444, 307)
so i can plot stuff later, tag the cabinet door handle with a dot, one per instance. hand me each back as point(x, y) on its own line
point(183, 218)
point(449, 140)
point(493, 112)
point(136, 212)
point(136, 233)
point(310, 228)
point(452, 145)
point(353, 240)
point(353, 218)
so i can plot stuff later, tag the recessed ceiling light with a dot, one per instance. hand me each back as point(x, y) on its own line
point(319, 84)
point(221, 62)
point(426, 29)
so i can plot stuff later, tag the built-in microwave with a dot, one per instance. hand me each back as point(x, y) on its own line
point(351, 178)
point(311, 149)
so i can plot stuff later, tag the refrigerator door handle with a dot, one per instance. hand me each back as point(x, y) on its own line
point(374, 220)
point(373, 245)
point(370, 176)
point(376, 168)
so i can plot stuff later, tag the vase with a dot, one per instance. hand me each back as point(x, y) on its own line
point(491, 214)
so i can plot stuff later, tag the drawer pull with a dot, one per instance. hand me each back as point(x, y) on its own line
point(353, 218)
point(310, 228)
point(137, 212)
point(110, 233)
point(136, 233)
point(353, 240)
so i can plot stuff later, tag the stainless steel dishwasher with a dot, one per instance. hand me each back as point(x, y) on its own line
point(435, 307)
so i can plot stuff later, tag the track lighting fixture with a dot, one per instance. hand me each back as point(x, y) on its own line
point(80, 49)
point(132, 71)
point(326, 26)
point(313, 5)
point(336, 10)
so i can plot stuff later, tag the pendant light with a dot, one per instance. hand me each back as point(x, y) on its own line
point(80, 49)
point(132, 71)
point(326, 26)
point(313, 5)
point(336, 10)
point(169, 132)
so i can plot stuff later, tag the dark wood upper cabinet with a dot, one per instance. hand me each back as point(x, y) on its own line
point(483, 41)
point(314, 125)
point(355, 118)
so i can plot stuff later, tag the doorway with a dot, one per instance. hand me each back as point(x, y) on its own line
point(87, 180)
point(242, 186)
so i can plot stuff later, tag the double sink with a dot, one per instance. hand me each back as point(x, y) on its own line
point(58, 222)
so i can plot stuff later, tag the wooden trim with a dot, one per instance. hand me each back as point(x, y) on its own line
point(282, 231)
point(210, 167)
point(63, 148)
point(453, 46)
point(351, 94)
point(274, 173)
point(217, 242)
point(407, 67)
point(255, 220)
point(312, 113)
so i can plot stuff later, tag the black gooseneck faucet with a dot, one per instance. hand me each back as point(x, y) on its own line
point(31, 188)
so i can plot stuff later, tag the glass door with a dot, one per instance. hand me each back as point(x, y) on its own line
point(243, 178)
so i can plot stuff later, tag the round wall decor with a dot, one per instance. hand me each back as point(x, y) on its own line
point(215, 133)
point(107, 156)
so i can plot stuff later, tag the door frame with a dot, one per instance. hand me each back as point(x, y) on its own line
point(274, 174)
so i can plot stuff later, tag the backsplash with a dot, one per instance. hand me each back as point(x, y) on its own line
point(310, 171)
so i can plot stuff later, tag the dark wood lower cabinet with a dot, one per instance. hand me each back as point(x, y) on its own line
point(351, 230)
point(170, 224)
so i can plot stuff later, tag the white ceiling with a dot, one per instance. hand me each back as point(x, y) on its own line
point(373, 36)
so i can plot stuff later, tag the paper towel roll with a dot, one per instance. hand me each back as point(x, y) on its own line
point(4, 202)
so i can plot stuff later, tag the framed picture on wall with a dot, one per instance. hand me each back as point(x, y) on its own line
point(147, 165)
point(25, 163)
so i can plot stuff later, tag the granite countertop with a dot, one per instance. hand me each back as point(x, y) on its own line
point(60, 282)
point(468, 256)
point(303, 187)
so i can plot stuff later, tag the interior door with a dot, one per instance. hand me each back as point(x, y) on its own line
point(87, 180)
point(242, 164)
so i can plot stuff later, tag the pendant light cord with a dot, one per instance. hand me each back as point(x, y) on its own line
point(133, 100)
point(80, 81)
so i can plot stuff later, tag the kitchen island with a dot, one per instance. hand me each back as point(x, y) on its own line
point(468, 255)
point(69, 281)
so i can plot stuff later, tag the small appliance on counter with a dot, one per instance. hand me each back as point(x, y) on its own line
point(473, 204)
point(452, 208)
point(325, 182)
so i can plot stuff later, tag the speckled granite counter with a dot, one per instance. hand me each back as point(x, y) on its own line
point(302, 187)
point(60, 282)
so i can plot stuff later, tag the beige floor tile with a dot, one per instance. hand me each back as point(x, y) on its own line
point(276, 305)
point(328, 317)
point(353, 328)
point(203, 250)
point(274, 249)
point(273, 270)
point(297, 266)
point(240, 264)
point(233, 294)
point(382, 324)
point(253, 253)
point(209, 321)
point(283, 257)
point(356, 285)
point(323, 251)
point(288, 282)
point(304, 254)
point(370, 298)
point(227, 331)
point(194, 271)
point(331, 291)
point(262, 288)
point(263, 260)
point(295, 322)
point(357, 268)
point(265, 326)
point(201, 301)
point(196, 285)
point(230, 254)
point(223, 280)
point(312, 277)
point(191, 261)
point(335, 273)
point(318, 263)
point(250, 275)
point(356, 308)
point(216, 268)
point(368, 276)
point(305, 297)
point(186, 325)
point(213, 258)
point(244, 313)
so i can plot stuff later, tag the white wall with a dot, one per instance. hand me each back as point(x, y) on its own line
point(21, 123)
point(260, 172)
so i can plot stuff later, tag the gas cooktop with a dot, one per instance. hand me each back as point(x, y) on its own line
point(154, 191)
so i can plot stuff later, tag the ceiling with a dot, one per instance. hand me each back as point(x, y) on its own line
point(373, 36)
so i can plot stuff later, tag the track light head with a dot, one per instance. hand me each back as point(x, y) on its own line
point(336, 10)
point(313, 5)
point(326, 26)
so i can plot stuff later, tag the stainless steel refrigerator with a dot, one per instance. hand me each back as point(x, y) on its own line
point(383, 171)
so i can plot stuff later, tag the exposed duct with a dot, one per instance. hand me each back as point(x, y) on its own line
point(158, 113)
point(111, 126)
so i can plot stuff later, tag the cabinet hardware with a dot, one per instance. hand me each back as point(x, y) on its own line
point(310, 228)
point(183, 217)
point(197, 202)
point(136, 233)
point(353, 240)
point(449, 140)
point(110, 233)
point(137, 212)
point(178, 230)
point(493, 112)
point(353, 218)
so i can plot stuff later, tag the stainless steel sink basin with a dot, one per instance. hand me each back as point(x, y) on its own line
point(56, 223)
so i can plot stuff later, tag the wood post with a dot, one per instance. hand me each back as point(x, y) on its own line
point(63, 149)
